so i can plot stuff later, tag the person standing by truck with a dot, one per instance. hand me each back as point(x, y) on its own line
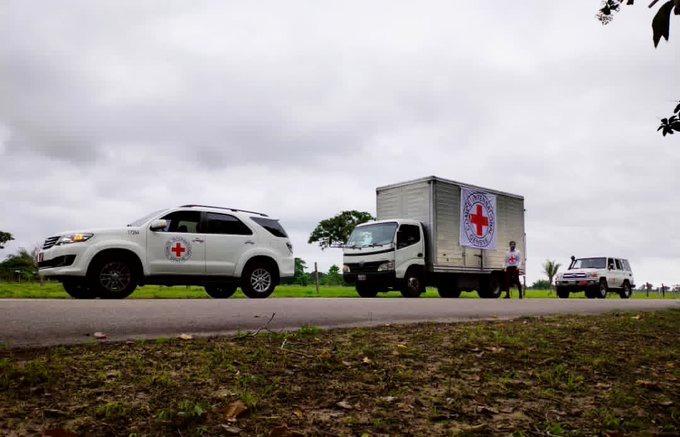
point(513, 259)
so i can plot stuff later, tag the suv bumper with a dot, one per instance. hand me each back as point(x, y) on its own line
point(63, 261)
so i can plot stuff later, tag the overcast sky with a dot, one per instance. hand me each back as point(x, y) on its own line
point(113, 109)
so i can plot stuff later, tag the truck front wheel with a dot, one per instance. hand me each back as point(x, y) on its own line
point(365, 291)
point(562, 293)
point(413, 284)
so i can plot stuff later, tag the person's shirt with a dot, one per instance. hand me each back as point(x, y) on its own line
point(513, 258)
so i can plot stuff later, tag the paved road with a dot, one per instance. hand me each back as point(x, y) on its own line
point(42, 322)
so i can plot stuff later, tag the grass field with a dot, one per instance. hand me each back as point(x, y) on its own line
point(54, 290)
point(609, 375)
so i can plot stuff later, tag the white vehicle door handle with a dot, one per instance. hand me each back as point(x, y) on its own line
point(249, 242)
point(197, 240)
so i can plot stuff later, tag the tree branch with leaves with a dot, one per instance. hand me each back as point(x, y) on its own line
point(335, 230)
point(661, 24)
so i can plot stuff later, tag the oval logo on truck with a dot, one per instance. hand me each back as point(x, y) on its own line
point(477, 219)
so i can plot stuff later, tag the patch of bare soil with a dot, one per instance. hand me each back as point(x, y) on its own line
point(615, 374)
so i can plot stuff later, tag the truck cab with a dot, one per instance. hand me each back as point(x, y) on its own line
point(385, 255)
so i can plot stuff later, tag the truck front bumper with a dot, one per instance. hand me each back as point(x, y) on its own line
point(378, 279)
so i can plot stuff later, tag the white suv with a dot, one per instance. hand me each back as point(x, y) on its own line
point(218, 248)
point(596, 276)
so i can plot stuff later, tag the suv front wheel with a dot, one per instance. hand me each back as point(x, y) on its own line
point(258, 281)
point(602, 289)
point(112, 278)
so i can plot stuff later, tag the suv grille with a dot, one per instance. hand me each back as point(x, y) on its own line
point(573, 275)
point(50, 242)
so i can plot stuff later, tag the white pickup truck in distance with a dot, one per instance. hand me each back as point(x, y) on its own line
point(596, 276)
point(217, 248)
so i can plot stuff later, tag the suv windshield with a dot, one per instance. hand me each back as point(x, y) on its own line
point(589, 263)
point(146, 218)
point(372, 235)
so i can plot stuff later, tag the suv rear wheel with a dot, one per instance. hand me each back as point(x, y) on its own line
point(112, 278)
point(220, 291)
point(258, 281)
point(626, 291)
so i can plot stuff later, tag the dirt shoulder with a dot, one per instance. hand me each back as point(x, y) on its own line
point(612, 374)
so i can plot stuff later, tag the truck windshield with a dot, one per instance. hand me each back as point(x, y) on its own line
point(589, 263)
point(372, 235)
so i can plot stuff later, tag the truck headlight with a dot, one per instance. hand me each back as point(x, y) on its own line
point(345, 268)
point(386, 267)
point(73, 238)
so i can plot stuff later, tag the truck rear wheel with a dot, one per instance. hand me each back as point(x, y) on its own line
point(365, 291)
point(490, 288)
point(413, 284)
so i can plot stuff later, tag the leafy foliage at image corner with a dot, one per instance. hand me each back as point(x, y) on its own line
point(660, 29)
point(4, 238)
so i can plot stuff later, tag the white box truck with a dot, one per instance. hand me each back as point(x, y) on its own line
point(435, 232)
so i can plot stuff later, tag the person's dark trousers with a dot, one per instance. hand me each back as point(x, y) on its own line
point(512, 278)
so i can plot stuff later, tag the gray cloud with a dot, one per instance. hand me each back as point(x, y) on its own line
point(110, 110)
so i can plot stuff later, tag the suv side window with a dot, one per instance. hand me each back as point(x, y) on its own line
point(618, 264)
point(626, 266)
point(225, 224)
point(183, 221)
point(407, 235)
point(610, 264)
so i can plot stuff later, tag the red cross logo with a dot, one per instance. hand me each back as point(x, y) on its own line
point(178, 250)
point(512, 259)
point(479, 220)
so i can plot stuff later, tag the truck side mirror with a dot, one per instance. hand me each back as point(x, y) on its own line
point(158, 225)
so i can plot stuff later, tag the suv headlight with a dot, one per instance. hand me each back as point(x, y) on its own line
point(73, 238)
point(386, 267)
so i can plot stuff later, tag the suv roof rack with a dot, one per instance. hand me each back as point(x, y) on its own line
point(221, 207)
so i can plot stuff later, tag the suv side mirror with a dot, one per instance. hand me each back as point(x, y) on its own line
point(158, 225)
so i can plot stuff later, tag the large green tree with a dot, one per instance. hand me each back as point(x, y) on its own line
point(335, 230)
point(333, 277)
point(21, 263)
point(550, 268)
point(4, 238)
point(661, 24)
